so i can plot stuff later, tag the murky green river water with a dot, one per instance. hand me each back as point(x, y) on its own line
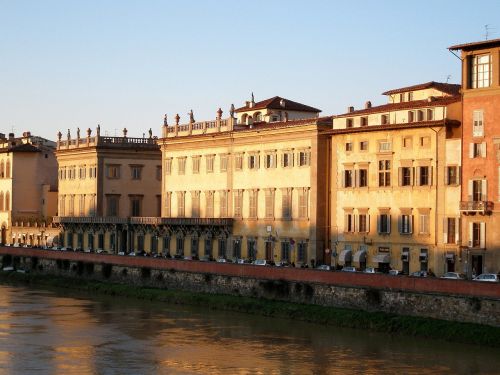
point(47, 332)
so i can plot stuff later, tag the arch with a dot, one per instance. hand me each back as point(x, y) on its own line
point(249, 120)
point(1, 201)
point(244, 118)
point(478, 173)
point(257, 116)
point(7, 169)
point(7, 201)
point(2, 169)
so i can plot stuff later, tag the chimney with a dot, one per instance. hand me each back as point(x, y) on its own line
point(2, 136)
point(11, 135)
point(350, 109)
point(368, 104)
point(26, 134)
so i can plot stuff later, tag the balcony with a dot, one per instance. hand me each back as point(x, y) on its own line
point(473, 207)
point(186, 221)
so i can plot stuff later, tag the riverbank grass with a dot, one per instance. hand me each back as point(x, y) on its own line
point(338, 317)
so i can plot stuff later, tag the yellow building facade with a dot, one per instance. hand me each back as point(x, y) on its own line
point(395, 182)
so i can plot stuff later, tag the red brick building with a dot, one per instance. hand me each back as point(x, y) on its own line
point(480, 202)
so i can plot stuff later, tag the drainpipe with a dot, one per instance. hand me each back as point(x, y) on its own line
point(436, 132)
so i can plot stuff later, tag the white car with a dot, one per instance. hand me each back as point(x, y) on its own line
point(260, 262)
point(487, 277)
point(324, 267)
point(348, 269)
point(453, 276)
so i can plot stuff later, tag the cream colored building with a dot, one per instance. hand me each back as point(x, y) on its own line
point(28, 189)
point(247, 186)
point(395, 181)
point(104, 183)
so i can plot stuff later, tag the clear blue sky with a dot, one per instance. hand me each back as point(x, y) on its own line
point(123, 63)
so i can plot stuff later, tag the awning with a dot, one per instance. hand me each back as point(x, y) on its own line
point(360, 256)
point(345, 256)
point(382, 258)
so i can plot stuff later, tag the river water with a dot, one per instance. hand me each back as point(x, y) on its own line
point(52, 332)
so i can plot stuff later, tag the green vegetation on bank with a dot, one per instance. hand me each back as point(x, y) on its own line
point(339, 317)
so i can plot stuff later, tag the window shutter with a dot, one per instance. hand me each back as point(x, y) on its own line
point(388, 223)
point(400, 176)
point(483, 149)
point(410, 218)
point(457, 230)
point(412, 178)
point(356, 177)
point(343, 178)
point(470, 190)
point(417, 176)
point(445, 230)
point(431, 175)
point(446, 176)
point(482, 239)
point(484, 190)
point(400, 224)
point(379, 223)
point(367, 223)
point(355, 223)
point(345, 222)
point(471, 234)
point(471, 150)
point(459, 175)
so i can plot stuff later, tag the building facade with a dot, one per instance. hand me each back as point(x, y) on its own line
point(395, 181)
point(479, 203)
point(104, 183)
point(260, 171)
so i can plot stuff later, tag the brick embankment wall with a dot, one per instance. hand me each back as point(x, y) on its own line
point(463, 301)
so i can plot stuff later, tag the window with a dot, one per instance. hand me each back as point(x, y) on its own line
point(303, 203)
point(452, 175)
point(477, 123)
point(180, 204)
point(477, 235)
point(7, 169)
point(209, 200)
point(285, 251)
point(168, 166)
point(269, 204)
point(287, 159)
point(407, 142)
point(480, 71)
point(237, 248)
point(168, 204)
point(166, 246)
point(136, 172)
point(348, 147)
point(252, 248)
point(270, 160)
point(238, 203)
point(410, 96)
point(423, 227)
point(349, 123)
point(196, 164)
point(424, 176)
point(7, 201)
point(81, 205)
point(477, 150)
point(425, 142)
point(430, 114)
point(195, 204)
point(384, 224)
point(363, 177)
point(405, 176)
point(223, 203)
point(477, 190)
point(451, 230)
point(158, 172)
point(411, 116)
point(222, 248)
point(286, 203)
point(302, 252)
point(384, 173)
point(364, 121)
point(179, 246)
point(93, 171)
point(238, 162)
point(384, 146)
point(112, 203)
point(158, 205)
point(420, 115)
point(209, 159)
point(384, 119)
point(348, 178)
point(113, 171)
point(363, 146)
point(135, 205)
point(181, 165)
point(363, 223)
point(253, 161)
point(348, 223)
point(405, 224)
point(82, 172)
point(253, 196)
point(304, 158)
point(223, 163)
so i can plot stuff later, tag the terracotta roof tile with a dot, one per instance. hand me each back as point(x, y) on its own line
point(320, 121)
point(25, 147)
point(411, 125)
point(274, 103)
point(476, 45)
point(448, 88)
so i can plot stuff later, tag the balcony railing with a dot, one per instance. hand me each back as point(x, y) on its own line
point(143, 220)
point(89, 220)
point(482, 207)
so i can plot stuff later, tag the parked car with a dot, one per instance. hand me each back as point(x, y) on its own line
point(420, 274)
point(369, 270)
point(487, 277)
point(260, 262)
point(348, 269)
point(453, 276)
point(395, 272)
point(119, 253)
point(240, 261)
point(206, 258)
point(324, 267)
point(222, 260)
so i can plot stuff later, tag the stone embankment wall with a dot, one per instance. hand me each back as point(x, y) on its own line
point(464, 301)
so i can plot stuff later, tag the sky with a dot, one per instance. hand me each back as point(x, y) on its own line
point(124, 64)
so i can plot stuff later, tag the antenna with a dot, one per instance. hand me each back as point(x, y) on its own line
point(448, 77)
point(488, 31)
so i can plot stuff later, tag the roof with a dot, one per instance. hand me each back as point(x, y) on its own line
point(439, 101)
point(476, 45)
point(25, 147)
point(326, 120)
point(274, 103)
point(448, 88)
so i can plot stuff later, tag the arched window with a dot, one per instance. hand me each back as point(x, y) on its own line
point(7, 169)
point(257, 117)
point(2, 169)
point(7, 201)
point(244, 119)
point(1, 201)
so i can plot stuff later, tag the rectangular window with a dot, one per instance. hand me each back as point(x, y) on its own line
point(411, 116)
point(477, 190)
point(238, 203)
point(168, 166)
point(423, 227)
point(82, 205)
point(425, 142)
point(195, 204)
point(180, 204)
point(286, 203)
point(348, 178)
point(424, 177)
point(405, 175)
point(476, 234)
point(222, 248)
point(477, 123)
point(238, 162)
point(384, 146)
point(270, 160)
point(420, 115)
point(223, 203)
point(407, 142)
point(384, 173)
point(196, 164)
point(285, 251)
point(364, 121)
point(363, 177)
point(304, 158)
point(349, 223)
point(209, 159)
point(82, 172)
point(253, 161)
point(113, 171)
point(349, 123)
point(477, 150)
point(480, 71)
point(166, 246)
point(287, 159)
point(269, 204)
point(363, 146)
point(452, 175)
point(384, 119)
point(405, 224)
point(223, 163)
point(112, 203)
point(209, 200)
point(348, 147)
point(451, 230)
point(384, 224)
point(181, 165)
point(303, 204)
point(168, 204)
point(136, 172)
point(363, 223)
point(158, 172)
point(252, 197)
point(135, 206)
point(302, 252)
point(179, 246)
point(430, 114)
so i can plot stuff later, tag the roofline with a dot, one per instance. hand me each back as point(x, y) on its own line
point(475, 45)
point(421, 86)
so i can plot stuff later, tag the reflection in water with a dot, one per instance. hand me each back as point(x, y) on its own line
point(49, 333)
